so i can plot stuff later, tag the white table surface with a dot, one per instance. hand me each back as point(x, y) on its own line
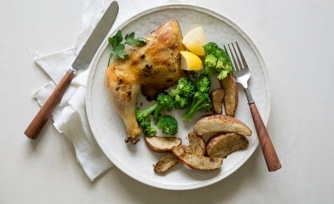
point(296, 40)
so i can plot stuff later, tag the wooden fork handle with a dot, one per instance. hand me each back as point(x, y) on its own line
point(267, 147)
point(45, 112)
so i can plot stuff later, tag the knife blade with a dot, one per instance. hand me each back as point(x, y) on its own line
point(81, 62)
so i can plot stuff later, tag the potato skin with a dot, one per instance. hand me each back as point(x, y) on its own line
point(217, 98)
point(165, 163)
point(196, 144)
point(162, 144)
point(217, 123)
point(193, 161)
point(231, 95)
point(224, 144)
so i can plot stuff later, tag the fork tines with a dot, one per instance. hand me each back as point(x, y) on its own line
point(235, 53)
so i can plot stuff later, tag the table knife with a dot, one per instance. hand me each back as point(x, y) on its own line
point(81, 62)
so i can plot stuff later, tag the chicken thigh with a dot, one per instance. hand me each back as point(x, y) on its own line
point(150, 68)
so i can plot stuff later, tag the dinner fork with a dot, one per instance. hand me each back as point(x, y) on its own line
point(242, 75)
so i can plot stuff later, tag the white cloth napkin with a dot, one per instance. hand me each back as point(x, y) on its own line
point(70, 116)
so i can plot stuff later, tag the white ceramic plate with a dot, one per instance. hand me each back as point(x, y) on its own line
point(136, 160)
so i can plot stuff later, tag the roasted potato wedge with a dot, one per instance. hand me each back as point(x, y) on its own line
point(219, 124)
point(194, 161)
point(231, 95)
point(225, 144)
point(217, 98)
point(162, 144)
point(165, 163)
point(196, 144)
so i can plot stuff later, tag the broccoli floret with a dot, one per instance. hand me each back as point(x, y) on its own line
point(182, 93)
point(203, 83)
point(144, 120)
point(210, 47)
point(200, 102)
point(148, 129)
point(216, 61)
point(181, 102)
point(168, 124)
point(165, 102)
point(141, 115)
point(185, 87)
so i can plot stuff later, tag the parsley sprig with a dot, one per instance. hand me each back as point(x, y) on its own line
point(118, 43)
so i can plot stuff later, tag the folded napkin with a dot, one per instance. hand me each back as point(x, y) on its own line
point(69, 117)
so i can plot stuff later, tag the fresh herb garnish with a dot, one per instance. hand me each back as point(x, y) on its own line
point(132, 41)
point(117, 44)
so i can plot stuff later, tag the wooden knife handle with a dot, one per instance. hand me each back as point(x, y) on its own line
point(267, 147)
point(46, 110)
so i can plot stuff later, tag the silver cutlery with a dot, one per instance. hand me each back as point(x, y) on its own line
point(242, 74)
point(81, 62)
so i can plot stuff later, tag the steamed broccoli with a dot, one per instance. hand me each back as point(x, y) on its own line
point(185, 86)
point(145, 122)
point(181, 102)
point(164, 102)
point(182, 92)
point(216, 61)
point(203, 83)
point(168, 124)
point(200, 102)
point(144, 119)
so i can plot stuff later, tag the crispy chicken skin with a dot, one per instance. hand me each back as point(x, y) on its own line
point(150, 69)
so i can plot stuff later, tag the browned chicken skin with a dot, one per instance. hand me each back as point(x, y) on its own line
point(151, 68)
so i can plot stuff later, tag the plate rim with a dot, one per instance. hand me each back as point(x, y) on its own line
point(211, 13)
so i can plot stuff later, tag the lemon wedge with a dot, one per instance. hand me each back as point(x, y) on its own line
point(190, 61)
point(194, 41)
